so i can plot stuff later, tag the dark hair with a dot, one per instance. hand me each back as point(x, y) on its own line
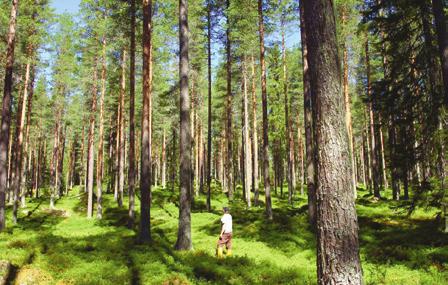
point(226, 209)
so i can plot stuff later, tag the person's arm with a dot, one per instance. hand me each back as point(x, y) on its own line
point(222, 231)
point(222, 227)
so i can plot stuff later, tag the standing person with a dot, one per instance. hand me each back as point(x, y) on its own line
point(225, 238)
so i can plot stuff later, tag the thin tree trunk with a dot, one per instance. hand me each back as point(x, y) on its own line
point(6, 111)
point(54, 161)
point(301, 156)
point(254, 136)
point(10, 166)
point(122, 136)
point(83, 170)
point(209, 132)
point(372, 118)
point(91, 140)
point(338, 259)
point(27, 154)
point(267, 186)
point(383, 159)
point(200, 158)
point(184, 232)
point(99, 163)
point(164, 160)
point(145, 169)
point(348, 112)
point(247, 154)
point(117, 153)
point(288, 128)
point(308, 119)
point(362, 160)
point(19, 144)
point(61, 153)
point(440, 20)
point(131, 173)
point(196, 151)
point(229, 157)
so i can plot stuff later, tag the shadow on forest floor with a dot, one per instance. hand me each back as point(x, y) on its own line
point(62, 245)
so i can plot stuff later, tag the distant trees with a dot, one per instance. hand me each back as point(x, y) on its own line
point(370, 117)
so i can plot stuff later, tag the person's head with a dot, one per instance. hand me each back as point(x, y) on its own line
point(225, 210)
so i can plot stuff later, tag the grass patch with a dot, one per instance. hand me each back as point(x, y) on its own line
point(62, 246)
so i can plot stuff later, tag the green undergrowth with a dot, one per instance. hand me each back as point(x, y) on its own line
point(62, 246)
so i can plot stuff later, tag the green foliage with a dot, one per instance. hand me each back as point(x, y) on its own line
point(65, 246)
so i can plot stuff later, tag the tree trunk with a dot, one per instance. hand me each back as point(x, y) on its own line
point(301, 156)
point(338, 259)
point(246, 143)
point(131, 156)
point(122, 136)
point(383, 159)
point(6, 111)
point(54, 161)
point(99, 163)
point(362, 160)
point(348, 112)
point(62, 136)
point(372, 118)
point(368, 154)
point(209, 77)
point(308, 119)
point(440, 20)
point(254, 136)
point(267, 186)
point(229, 157)
point(117, 153)
point(174, 161)
point(288, 127)
point(18, 145)
point(91, 140)
point(145, 169)
point(27, 153)
point(83, 146)
point(164, 160)
point(184, 232)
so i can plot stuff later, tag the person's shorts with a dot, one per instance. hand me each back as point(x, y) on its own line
point(226, 240)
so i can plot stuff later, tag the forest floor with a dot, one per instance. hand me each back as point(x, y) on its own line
point(64, 247)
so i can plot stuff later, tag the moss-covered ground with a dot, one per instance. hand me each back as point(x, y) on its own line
point(62, 246)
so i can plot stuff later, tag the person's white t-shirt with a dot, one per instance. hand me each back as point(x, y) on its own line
point(227, 223)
